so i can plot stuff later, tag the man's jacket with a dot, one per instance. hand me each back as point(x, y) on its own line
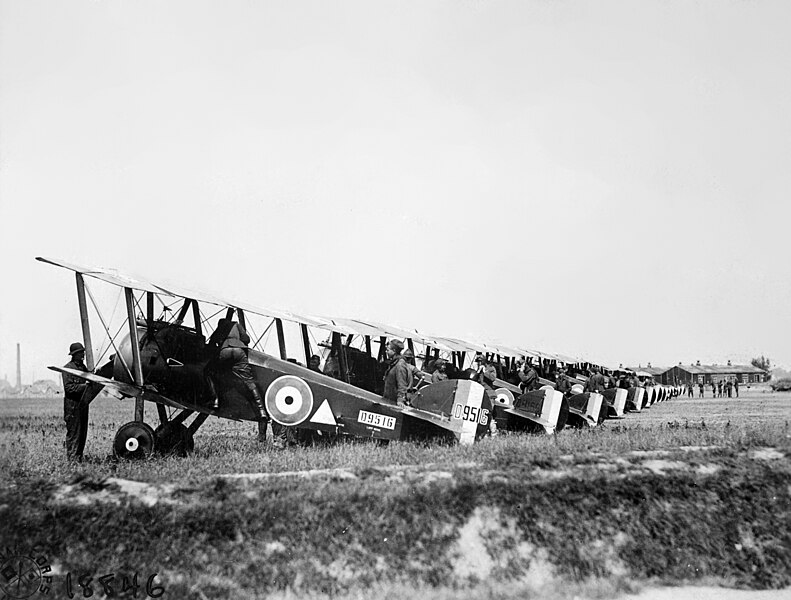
point(397, 380)
point(229, 334)
point(73, 386)
point(595, 383)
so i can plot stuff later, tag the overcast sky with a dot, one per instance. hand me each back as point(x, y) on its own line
point(603, 179)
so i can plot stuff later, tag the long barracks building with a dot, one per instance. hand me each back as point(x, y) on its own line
point(707, 374)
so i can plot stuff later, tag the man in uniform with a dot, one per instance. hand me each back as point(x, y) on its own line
point(595, 381)
point(75, 413)
point(440, 373)
point(527, 375)
point(397, 376)
point(232, 340)
point(562, 383)
point(611, 382)
point(417, 374)
point(487, 372)
point(314, 363)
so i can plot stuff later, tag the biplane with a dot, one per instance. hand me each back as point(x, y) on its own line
point(515, 409)
point(165, 359)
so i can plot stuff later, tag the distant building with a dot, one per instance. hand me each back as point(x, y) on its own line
point(708, 374)
point(654, 372)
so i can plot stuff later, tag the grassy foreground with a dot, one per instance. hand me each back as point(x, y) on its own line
point(580, 513)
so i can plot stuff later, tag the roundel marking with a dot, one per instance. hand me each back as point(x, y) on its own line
point(289, 400)
point(504, 397)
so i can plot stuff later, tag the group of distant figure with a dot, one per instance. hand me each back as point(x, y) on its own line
point(719, 389)
point(400, 377)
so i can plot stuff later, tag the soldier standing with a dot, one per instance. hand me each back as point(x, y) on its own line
point(75, 413)
point(397, 377)
point(595, 381)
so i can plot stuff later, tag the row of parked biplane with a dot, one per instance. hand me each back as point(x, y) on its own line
point(160, 354)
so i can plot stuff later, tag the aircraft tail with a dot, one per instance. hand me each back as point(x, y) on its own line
point(586, 407)
point(619, 404)
point(542, 407)
point(460, 406)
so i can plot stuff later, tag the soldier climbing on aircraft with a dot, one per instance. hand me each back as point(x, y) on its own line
point(232, 340)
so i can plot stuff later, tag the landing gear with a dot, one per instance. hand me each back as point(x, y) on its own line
point(174, 439)
point(134, 440)
point(137, 440)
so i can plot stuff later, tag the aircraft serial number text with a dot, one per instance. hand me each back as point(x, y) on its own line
point(471, 413)
point(369, 418)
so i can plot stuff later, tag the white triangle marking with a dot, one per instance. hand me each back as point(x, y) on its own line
point(324, 415)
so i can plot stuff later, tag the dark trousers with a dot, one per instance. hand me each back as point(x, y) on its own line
point(236, 360)
point(76, 416)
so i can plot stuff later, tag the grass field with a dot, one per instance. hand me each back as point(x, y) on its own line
point(586, 513)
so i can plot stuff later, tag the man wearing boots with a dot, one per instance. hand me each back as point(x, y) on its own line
point(232, 340)
point(75, 413)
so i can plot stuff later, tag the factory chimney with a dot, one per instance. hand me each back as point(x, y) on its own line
point(18, 368)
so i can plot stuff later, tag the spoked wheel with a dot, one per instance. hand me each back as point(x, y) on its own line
point(133, 441)
point(173, 439)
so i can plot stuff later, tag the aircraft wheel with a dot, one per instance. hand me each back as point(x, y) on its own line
point(173, 439)
point(134, 440)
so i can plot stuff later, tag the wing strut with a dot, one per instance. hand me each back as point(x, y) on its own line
point(150, 312)
point(305, 342)
point(86, 327)
point(281, 340)
point(137, 368)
